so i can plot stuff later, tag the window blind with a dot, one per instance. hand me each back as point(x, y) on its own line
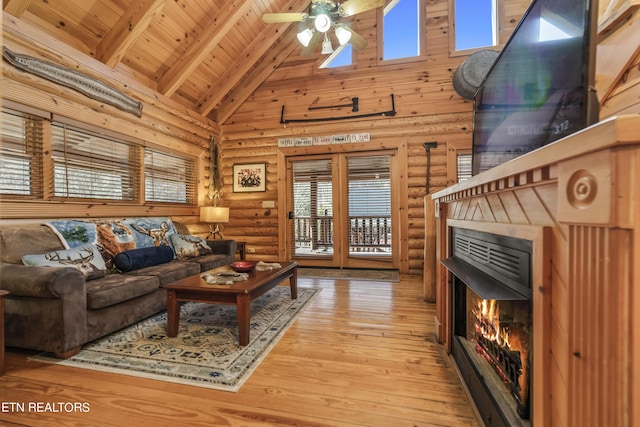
point(21, 157)
point(168, 177)
point(93, 166)
point(464, 167)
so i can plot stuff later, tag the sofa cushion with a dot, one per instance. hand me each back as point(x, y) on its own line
point(209, 262)
point(180, 227)
point(187, 246)
point(117, 288)
point(85, 258)
point(19, 240)
point(169, 272)
point(136, 259)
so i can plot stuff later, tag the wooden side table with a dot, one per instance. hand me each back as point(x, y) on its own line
point(241, 247)
point(3, 294)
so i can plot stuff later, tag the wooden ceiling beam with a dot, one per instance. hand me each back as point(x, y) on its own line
point(243, 63)
point(133, 23)
point(261, 70)
point(198, 51)
point(16, 7)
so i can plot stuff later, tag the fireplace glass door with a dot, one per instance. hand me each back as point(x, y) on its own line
point(492, 340)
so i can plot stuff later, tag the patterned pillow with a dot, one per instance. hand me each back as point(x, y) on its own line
point(85, 258)
point(187, 246)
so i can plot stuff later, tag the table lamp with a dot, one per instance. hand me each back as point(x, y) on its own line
point(215, 215)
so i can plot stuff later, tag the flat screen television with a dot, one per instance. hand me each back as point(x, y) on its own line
point(540, 87)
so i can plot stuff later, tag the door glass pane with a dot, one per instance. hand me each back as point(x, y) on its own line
point(312, 216)
point(369, 179)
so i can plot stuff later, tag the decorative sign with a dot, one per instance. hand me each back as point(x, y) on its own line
point(344, 138)
point(286, 142)
point(360, 137)
point(340, 139)
point(321, 140)
point(301, 142)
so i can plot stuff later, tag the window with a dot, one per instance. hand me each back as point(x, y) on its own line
point(341, 57)
point(168, 177)
point(93, 166)
point(459, 162)
point(464, 166)
point(21, 154)
point(475, 24)
point(85, 162)
point(401, 29)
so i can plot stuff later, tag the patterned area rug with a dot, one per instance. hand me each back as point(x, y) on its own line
point(205, 353)
point(353, 274)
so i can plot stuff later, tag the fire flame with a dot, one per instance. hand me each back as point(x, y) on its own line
point(488, 324)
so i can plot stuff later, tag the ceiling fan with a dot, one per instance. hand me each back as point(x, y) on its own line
point(324, 14)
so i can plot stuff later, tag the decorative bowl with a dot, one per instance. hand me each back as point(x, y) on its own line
point(243, 266)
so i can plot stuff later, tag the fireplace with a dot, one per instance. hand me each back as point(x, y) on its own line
point(492, 323)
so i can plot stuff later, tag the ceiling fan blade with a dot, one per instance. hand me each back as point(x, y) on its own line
point(317, 37)
point(274, 18)
point(351, 7)
point(356, 41)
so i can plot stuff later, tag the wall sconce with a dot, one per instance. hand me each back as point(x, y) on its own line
point(214, 215)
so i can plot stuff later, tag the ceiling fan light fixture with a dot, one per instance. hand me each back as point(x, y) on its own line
point(322, 22)
point(304, 37)
point(326, 45)
point(343, 35)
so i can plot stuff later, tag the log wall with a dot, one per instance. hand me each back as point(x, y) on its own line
point(428, 109)
point(163, 122)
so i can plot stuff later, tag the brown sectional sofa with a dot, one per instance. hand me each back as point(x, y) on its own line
point(57, 310)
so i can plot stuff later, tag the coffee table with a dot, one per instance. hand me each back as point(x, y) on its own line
point(240, 294)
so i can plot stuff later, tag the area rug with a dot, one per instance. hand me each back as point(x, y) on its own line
point(205, 353)
point(350, 273)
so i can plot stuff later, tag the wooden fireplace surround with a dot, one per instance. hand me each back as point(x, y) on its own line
point(578, 201)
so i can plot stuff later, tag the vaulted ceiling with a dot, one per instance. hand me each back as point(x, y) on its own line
point(208, 55)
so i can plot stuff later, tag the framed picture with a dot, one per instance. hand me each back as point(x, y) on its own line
point(249, 178)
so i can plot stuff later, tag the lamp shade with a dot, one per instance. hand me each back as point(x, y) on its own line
point(343, 34)
point(304, 37)
point(326, 45)
point(214, 214)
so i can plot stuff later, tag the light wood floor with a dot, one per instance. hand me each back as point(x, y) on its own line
point(362, 354)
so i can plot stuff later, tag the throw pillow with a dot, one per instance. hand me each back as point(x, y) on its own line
point(85, 258)
point(187, 246)
point(135, 259)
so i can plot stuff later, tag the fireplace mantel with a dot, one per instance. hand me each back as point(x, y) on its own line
point(578, 200)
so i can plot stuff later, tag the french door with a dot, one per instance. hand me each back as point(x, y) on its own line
point(342, 210)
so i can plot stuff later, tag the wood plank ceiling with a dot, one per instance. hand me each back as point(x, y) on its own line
point(208, 55)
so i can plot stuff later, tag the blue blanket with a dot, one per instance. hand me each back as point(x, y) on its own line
point(112, 236)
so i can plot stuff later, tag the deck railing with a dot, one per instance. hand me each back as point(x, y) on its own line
point(366, 233)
